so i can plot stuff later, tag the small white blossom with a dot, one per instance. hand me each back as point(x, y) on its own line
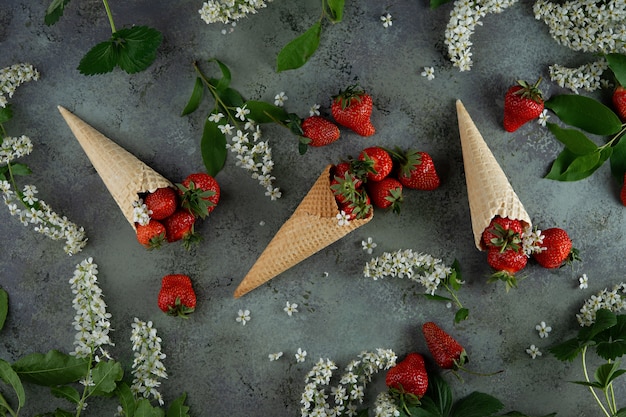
point(533, 351)
point(429, 73)
point(543, 329)
point(216, 117)
point(543, 117)
point(290, 308)
point(343, 219)
point(387, 20)
point(241, 113)
point(243, 316)
point(583, 282)
point(275, 356)
point(280, 98)
point(314, 110)
point(300, 355)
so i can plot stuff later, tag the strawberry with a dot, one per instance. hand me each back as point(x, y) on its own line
point(151, 235)
point(319, 131)
point(180, 226)
point(199, 193)
point(506, 263)
point(416, 170)
point(408, 376)
point(503, 233)
point(352, 108)
point(619, 102)
point(349, 168)
point(386, 193)
point(446, 351)
point(162, 203)
point(176, 296)
point(378, 162)
point(522, 103)
point(622, 194)
point(556, 249)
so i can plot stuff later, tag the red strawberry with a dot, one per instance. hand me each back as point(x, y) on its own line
point(352, 108)
point(378, 162)
point(180, 226)
point(347, 168)
point(622, 194)
point(151, 235)
point(619, 102)
point(446, 351)
point(162, 202)
point(386, 193)
point(417, 171)
point(199, 193)
point(320, 131)
point(503, 233)
point(177, 297)
point(522, 103)
point(556, 249)
point(506, 264)
point(409, 376)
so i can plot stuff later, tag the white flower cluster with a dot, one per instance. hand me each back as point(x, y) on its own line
point(147, 365)
point(229, 11)
point(384, 406)
point(531, 241)
point(141, 214)
point(464, 17)
point(14, 147)
point(253, 155)
point(12, 77)
point(91, 320)
point(613, 300)
point(46, 221)
point(587, 26)
point(419, 267)
point(351, 387)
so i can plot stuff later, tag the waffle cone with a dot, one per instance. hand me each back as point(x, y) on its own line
point(124, 175)
point(489, 191)
point(312, 227)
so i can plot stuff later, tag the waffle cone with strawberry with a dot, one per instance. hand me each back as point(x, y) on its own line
point(124, 175)
point(489, 192)
point(312, 227)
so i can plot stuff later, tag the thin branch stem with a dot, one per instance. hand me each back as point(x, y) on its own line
point(109, 15)
point(584, 352)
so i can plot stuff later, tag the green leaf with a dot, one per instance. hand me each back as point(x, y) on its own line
point(55, 11)
point(213, 148)
point(6, 113)
point(574, 140)
point(66, 392)
point(4, 307)
point(20, 169)
point(461, 314)
point(476, 404)
point(585, 113)
point(195, 99)
point(621, 412)
point(145, 409)
point(4, 405)
point(297, 52)
point(126, 399)
point(618, 161)
point(605, 319)
point(133, 49)
point(617, 63)
point(62, 413)
point(568, 350)
point(336, 10)
point(263, 112)
point(8, 375)
point(427, 408)
point(105, 376)
point(223, 82)
point(611, 343)
point(436, 3)
point(178, 408)
point(571, 167)
point(518, 414)
point(231, 97)
point(53, 368)
point(440, 393)
point(606, 373)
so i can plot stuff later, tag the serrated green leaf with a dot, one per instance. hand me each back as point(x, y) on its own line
point(570, 167)
point(178, 408)
point(145, 409)
point(126, 399)
point(263, 112)
point(195, 99)
point(53, 368)
point(105, 376)
point(585, 113)
point(297, 52)
point(62, 413)
point(618, 160)
point(55, 11)
point(6, 114)
point(336, 10)
point(568, 350)
point(137, 47)
point(574, 140)
point(20, 169)
point(4, 307)
point(607, 373)
point(213, 148)
point(223, 82)
point(66, 392)
point(100, 59)
point(617, 63)
point(440, 393)
point(436, 3)
point(476, 404)
point(611, 342)
point(8, 375)
point(605, 319)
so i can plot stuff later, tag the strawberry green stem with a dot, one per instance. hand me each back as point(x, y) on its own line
point(109, 15)
point(584, 353)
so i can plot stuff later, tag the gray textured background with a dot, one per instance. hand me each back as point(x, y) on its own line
point(222, 365)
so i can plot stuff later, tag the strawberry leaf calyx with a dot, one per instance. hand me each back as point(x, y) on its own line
point(403, 398)
point(509, 279)
point(345, 97)
point(179, 309)
point(505, 238)
point(529, 91)
point(195, 199)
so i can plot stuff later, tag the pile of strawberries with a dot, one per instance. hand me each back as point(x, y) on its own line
point(173, 212)
point(377, 178)
point(506, 254)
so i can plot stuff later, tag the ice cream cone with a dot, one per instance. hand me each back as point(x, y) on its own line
point(312, 227)
point(488, 190)
point(124, 175)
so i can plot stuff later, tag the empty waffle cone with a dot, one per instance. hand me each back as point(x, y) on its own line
point(489, 191)
point(312, 227)
point(124, 175)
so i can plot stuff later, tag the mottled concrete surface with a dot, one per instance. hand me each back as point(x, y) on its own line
point(222, 365)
